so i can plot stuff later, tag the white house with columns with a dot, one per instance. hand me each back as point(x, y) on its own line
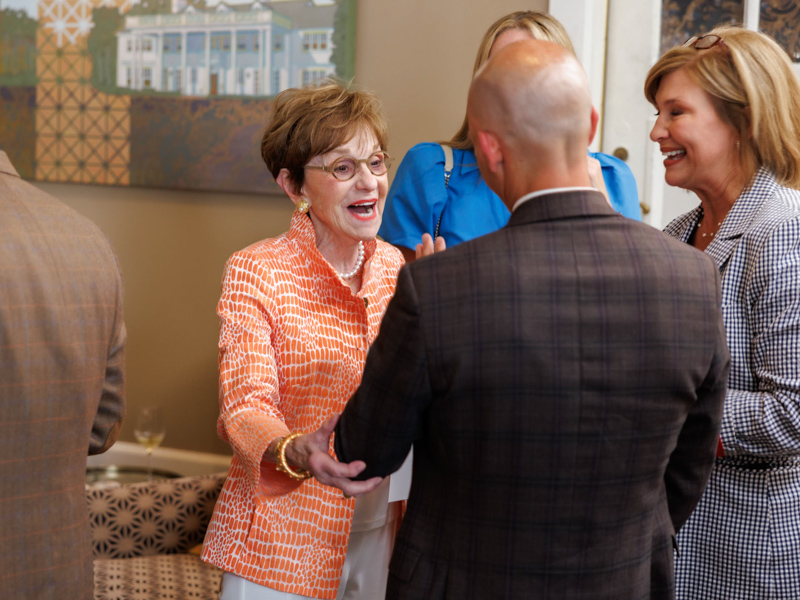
point(253, 49)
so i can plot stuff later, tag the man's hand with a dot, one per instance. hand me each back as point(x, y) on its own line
point(310, 452)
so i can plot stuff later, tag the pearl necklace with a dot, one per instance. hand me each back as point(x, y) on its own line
point(357, 268)
point(699, 222)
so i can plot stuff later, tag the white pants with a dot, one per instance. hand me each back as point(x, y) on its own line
point(364, 574)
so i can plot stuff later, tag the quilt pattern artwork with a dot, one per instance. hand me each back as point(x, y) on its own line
point(82, 135)
point(166, 93)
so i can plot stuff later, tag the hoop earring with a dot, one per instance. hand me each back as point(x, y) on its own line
point(303, 205)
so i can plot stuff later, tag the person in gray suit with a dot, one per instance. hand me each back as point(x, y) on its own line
point(561, 380)
point(62, 342)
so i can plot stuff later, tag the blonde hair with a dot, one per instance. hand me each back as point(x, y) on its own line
point(754, 88)
point(541, 27)
point(315, 119)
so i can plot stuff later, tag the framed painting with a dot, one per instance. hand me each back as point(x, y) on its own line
point(164, 93)
point(780, 19)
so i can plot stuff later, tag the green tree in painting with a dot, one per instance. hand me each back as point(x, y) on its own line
point(17, 48)
point(102, 46)
point(344, 36)
point(151, 7)
point(156, 7)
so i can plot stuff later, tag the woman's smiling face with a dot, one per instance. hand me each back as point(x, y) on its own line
point(699, 147)
point(349, 210)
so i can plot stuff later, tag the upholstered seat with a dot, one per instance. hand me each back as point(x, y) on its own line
point(141, 536)
point(173, 576)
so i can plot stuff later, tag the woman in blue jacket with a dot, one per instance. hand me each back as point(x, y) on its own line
point(463, 207)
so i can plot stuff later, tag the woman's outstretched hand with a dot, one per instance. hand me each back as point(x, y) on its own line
point(310, 452)
point(429, 246)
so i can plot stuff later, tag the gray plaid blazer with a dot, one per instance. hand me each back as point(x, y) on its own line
point(561, 381)
point(61, 386)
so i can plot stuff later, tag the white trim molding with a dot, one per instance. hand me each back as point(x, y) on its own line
point(181, 462)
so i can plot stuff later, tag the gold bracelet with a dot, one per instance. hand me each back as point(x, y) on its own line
point(283, 465)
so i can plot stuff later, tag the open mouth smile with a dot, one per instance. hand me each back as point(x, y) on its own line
point(363, 210)
point(672, 156)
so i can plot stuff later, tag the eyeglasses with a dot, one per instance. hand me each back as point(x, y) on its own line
point(345, 168)
point(704, 42)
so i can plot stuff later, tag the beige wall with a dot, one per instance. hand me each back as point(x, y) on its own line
point(417, 55)
point(172, 247)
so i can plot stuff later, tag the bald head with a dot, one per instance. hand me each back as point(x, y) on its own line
point(534, 96)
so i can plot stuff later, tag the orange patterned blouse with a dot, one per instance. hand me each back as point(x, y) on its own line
point(293, 343)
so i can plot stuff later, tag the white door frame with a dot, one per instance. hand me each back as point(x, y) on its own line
point(586, 22)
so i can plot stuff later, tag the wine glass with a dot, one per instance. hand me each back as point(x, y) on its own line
point(149, 432)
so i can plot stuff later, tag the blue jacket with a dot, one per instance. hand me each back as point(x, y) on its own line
point(467, 206)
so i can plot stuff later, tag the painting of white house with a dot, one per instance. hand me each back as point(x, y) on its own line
point(248, 49)
point(165, 93)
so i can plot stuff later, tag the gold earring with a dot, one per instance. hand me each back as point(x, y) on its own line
point(303, 206)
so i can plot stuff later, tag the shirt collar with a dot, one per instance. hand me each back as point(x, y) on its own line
point(538, 193)
point(302, 232)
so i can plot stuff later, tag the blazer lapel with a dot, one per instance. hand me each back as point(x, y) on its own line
point(741, 215)
point(681, 227)
point(737, 221)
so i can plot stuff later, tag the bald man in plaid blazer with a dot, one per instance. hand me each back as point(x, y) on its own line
point(561, 380)
point(62, 343)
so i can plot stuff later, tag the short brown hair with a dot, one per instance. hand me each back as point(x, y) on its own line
point(540, 25)
point(315, 119)
point(754, 88)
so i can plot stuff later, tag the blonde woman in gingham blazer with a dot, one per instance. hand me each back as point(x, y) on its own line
point(729, 128)
point(753, 487)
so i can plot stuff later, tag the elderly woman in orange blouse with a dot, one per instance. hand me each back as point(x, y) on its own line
point(298, 314)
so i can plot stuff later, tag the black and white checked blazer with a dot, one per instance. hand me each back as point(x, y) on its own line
point(757, 250)
point(741, 541)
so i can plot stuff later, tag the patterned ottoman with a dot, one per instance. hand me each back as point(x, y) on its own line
point(141, 536)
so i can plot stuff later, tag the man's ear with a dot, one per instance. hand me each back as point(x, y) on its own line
point(491, 150)
point(287, 185)
point(595, 120)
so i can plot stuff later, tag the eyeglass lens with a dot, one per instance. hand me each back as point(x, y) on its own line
point(345, 168)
